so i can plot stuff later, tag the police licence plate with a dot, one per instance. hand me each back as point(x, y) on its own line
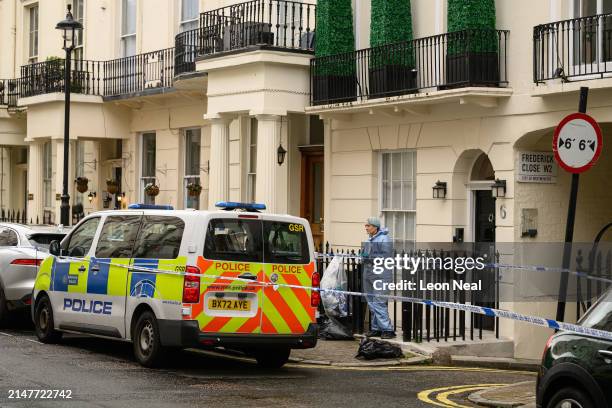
point(243, 305)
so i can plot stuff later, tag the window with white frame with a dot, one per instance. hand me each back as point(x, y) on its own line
point(33, 34)
point(78, 12)
point(147, 173)
point(128, 28)
point(251, 161)
point(192, 185)
point(190, 13)
point(47, 175)
point(398, 196)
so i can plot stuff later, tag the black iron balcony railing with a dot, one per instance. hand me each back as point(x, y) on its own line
point(139, 72)
point(9, 92)
point(452, 60)
point(273, 23)
point(577, 48)
point(186, 51)
point(48, 77)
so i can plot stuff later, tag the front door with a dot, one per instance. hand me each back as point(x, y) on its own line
point(484, 239)
point(312, 194)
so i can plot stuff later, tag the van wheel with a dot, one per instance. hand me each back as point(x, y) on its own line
point(44, 324)
point(147, 345)
point(3, 309)
point(272, 358)
point(570, 398)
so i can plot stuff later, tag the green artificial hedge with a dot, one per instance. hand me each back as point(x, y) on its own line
point(475, 19)
point(391, 22)
point(334, 35)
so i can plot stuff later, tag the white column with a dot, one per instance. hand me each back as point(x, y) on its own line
point(268, 173)
point(219, 161)
point(35, 184)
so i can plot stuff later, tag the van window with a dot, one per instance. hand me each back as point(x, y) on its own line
point(285, 243)
point(159, 237)
point(118, 236)
point(233, 240)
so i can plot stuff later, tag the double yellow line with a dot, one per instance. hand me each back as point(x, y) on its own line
point(442, 398)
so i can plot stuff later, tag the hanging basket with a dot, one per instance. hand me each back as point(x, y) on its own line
point(112, 186)
point(81, 184)
point(194, 189)
point(151, 190)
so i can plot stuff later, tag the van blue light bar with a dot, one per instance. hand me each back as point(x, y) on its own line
point(149, 207)
point(231, 205)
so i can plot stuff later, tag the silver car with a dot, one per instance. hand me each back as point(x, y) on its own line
point(22, 249)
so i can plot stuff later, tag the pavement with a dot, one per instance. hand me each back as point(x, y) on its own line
point(103, 373)
point(521, 394)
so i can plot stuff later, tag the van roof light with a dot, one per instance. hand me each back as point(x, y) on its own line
point(149, 207)
point(231, 205)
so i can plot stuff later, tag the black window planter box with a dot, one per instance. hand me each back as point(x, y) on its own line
point(391, 80)
point(472, 69)
point(334, 89)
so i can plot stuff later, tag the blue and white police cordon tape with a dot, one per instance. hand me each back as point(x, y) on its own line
point(530, 268)
point(487, 311)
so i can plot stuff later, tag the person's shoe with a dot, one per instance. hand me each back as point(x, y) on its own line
point(387, 335)
point(373, 333)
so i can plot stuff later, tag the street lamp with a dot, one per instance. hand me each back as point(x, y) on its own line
point(69, 29)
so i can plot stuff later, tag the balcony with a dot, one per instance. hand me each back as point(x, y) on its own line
point(273, 24)
point(576, 49)
point(471, 58)
point(9, 92)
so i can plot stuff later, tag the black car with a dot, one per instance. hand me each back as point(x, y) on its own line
point(576, 370)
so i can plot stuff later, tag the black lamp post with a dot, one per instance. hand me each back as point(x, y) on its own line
point(69, 29)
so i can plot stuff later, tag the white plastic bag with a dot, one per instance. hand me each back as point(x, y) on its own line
point(334, 277)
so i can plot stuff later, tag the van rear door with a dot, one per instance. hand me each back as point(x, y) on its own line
point(287, 260)
point(233, 248)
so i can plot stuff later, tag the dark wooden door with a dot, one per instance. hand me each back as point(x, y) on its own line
point(485, 234)
point(312, 194)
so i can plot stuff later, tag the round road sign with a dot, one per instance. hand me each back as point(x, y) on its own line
point(577, 142)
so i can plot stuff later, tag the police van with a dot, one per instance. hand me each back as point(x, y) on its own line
point(164, 278)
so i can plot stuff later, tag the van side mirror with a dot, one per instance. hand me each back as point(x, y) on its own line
point(54, 248)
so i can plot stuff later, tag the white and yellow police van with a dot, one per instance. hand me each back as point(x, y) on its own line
point(164, 278)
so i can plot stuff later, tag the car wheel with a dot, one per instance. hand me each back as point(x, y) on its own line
point(570, 398)
point(270, 358)
point(44, 324)
point(147, 345)
point(3, 309)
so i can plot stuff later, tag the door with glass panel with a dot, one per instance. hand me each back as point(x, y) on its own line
point(592, 36)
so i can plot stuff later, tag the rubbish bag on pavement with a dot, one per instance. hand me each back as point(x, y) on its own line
point(370, 349)
point(331, 328)
point(334, 278)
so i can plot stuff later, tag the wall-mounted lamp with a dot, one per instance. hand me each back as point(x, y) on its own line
point(207, 168)
point(280, 154)
point(498, 189)
point(91, 196)
point(439, 190)
point(120, 197)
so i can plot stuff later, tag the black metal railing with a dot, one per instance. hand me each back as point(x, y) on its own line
point(139, 72)
point(273, 23)
point(421, 322)
point(580, 47)
point(185, 51)
point(48, 77)
point(451, 60)
point(9, 92)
